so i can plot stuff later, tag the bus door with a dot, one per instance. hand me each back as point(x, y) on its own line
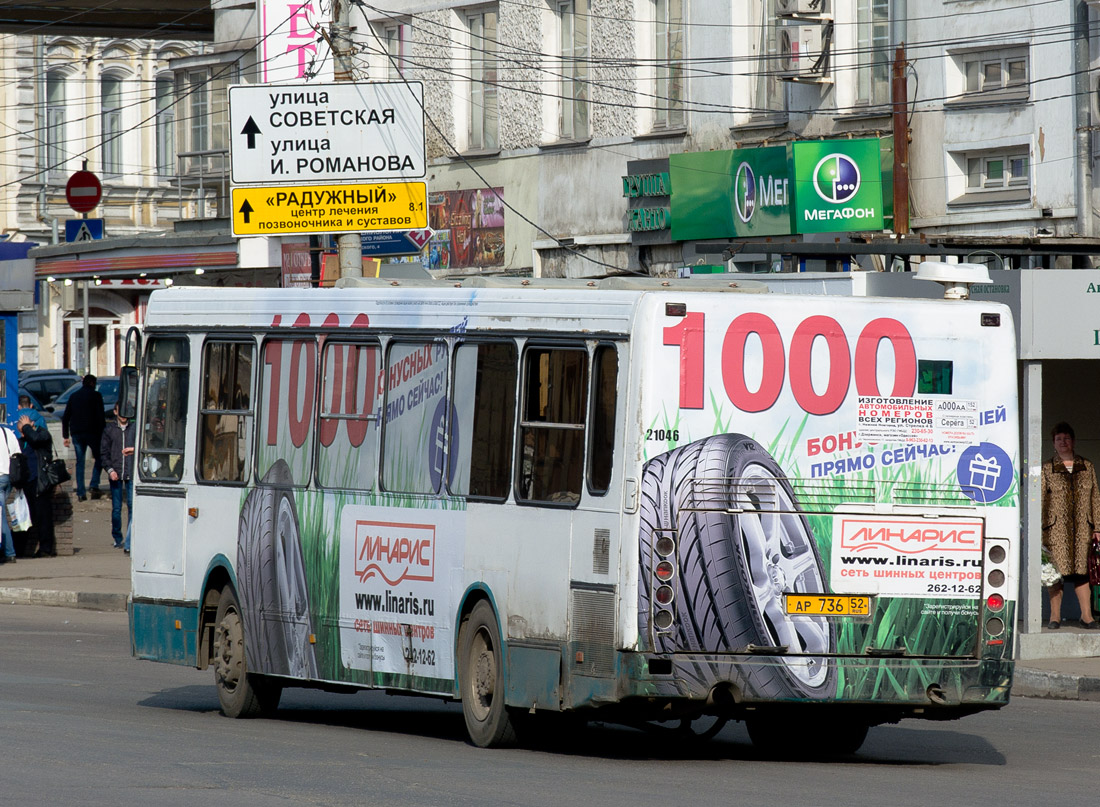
point(160, 498)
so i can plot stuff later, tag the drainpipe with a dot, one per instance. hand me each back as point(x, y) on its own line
point(1082, 122)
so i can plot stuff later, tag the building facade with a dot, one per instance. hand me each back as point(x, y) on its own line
point(112, 107)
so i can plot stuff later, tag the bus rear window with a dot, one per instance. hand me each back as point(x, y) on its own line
point(934, 377)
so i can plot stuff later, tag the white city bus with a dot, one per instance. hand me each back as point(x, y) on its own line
point(626, 499)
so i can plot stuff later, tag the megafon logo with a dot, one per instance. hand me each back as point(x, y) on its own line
point(836, 178)
point(395, 552)
point(744, 192)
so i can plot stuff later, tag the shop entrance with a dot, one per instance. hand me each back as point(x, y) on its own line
point(102, 342)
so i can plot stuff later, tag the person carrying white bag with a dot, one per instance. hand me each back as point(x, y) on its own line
point(20, 512)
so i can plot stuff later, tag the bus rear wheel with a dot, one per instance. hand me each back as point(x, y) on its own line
point(240, 693)
point(481, 680)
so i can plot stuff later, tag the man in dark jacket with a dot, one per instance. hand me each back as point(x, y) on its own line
point(84, 421)
point(38, 449)
point(117, 451)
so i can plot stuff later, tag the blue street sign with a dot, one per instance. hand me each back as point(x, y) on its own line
point(83, 230)
point(395, 242)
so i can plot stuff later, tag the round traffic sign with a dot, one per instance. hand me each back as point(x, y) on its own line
point(83, 191)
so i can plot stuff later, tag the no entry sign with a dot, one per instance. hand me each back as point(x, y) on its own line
point(83, 191)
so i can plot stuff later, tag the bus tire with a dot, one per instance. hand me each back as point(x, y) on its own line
point(272, 580)
point(481, 680)
point(240, 693)
point(735, 561)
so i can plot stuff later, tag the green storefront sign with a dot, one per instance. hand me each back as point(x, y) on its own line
point(739, 193)
point(838, 186)
point(805, 187)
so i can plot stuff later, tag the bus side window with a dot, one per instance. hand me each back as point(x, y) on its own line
point(416, 398)
point(555, 392)
point(605, 384)
point(481, 439)
point(161, 446)
point(351, 400)
point(288, 395)
point(225, 443)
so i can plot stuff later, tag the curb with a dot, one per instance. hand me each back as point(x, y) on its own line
point(67, 599)
point(1031, 683)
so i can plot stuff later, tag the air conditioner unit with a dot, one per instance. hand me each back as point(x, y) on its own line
point(802, 51)
point(800, 7)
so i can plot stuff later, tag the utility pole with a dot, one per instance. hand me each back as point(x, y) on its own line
point(899, 97)
point(348, 246)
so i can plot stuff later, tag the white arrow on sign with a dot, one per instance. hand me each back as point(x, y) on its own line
point(326, 133)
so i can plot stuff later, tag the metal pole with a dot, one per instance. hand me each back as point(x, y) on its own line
point(348, 246)
point(900, 98)
point(1084, 133)
point(87, 339)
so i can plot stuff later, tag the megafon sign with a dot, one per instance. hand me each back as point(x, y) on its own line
point(805, 187)
point(739, 193)
point(838, 186)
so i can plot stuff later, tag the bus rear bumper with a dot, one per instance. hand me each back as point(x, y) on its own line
point(932, 688)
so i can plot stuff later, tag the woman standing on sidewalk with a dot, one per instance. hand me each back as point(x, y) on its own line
point(9, 444)
point(1071, 517)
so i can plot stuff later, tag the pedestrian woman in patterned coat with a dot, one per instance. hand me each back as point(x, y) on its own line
point(1071, 517)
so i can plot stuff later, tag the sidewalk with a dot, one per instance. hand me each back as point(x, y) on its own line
point(97, 576)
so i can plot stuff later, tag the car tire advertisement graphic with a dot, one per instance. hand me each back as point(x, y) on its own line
point(272, 581)
point(741, 544)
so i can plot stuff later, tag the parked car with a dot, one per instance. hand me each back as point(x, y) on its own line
point(46, 385)
point(107, 386)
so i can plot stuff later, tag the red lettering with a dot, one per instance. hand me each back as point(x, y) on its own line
point(733, 363)
point(301, 417)
point(840, 370)
point(689, 336)
point(905, 358)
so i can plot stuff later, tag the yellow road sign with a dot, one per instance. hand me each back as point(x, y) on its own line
point(287, 210)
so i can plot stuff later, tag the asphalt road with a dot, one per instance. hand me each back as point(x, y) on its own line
point(82, 723)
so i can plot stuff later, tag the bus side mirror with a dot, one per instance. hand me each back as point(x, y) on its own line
point(127, 392)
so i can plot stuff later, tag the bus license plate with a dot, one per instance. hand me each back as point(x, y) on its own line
point(829, 604)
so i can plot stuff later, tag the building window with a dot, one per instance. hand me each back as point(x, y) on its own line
point(111, 112)
point(770, 90)
point(873, 49)
point(573, 45)
point(484, 109)
point(993, 76)
point(997, 171)
point(669, 63)
point(202, 96)
point(54, 147)
point(166, 127)
point(994, 177)
point(396, 38)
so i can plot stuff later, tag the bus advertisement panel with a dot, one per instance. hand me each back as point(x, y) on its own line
point(820, 482)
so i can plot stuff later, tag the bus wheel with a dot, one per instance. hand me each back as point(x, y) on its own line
point(481, 680)
point(240, 693)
